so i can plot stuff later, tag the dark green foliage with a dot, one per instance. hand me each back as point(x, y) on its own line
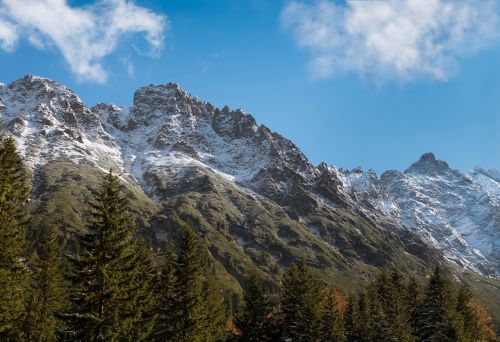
point(253, 321)
point(47, 291)
point(215, 311)
point(142, 293)
point(301, 304)
point(14, 192)
point(166, 302)
point(198, 308)
point(189, 290)
point(392, 321)
point(367, 331)
point(108, 301)
point(438, 319)
point(414, 298)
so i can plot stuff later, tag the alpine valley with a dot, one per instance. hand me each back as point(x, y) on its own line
point(253, 196)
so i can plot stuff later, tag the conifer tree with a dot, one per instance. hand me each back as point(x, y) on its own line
point(14, 192)
point(189, 290)
point(393, 321)
point(414, 297)
point(366, 326)
point(142, 298)
point(253, 320)
point(477, 322)
point(333, 328)
point(301, 304)
point(215, 311)
point(106, 294)
point(438, 320)
point(47, 293)
point(166, 303)
point(479, 326)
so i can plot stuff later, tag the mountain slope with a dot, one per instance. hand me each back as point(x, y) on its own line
point(257, 200)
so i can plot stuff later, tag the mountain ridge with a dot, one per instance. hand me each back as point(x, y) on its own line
point(167, 137)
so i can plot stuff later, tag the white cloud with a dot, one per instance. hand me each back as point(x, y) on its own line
point(83, 35)
point(391, 39)
point(8, 36)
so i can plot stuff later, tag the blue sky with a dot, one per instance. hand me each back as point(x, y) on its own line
point(350, 99)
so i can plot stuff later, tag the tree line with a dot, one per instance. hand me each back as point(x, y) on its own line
point(114, 288)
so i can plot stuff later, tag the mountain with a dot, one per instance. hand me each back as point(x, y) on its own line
point(457, 212)
point(251, 193)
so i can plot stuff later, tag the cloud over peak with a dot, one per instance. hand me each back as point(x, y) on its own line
point(83, 35)
point(397, 39)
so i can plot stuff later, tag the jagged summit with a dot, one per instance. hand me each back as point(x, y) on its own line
point(31, 83)
point(428, 164)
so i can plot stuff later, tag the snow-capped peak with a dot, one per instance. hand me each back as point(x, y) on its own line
point(167, 134)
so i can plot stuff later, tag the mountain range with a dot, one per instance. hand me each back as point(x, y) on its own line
point(251, 193)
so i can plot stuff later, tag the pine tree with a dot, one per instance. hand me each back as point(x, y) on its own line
point(107, 295)
point(166, 303)
point(413, 298)
point(192, 312)
point(215, 311)
point(301, 304)
point(253, 320)
point(142, 293)
point(438, 319)
point(333, 328)
point(393, 322)
point(14, 192)
point(48, 291)
point(367, 324)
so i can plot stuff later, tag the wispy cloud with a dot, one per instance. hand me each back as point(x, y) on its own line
point(397, 39)
point(8, 36)
point(83, 35)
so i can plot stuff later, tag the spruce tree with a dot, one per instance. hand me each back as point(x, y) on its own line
point(166, 303)
point(141, 303)
point(106, 274)
point(366, 327)
point(215, 311)
point(14, 192)
point(394, 321)
point(301, 303)
point(438, 319)
point(48, 291)
point(413, 298)
point(189, 290)
point(253, 320)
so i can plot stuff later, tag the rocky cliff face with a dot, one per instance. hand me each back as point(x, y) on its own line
point(253, 191)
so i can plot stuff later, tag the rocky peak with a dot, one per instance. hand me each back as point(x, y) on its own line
point(428, 165)
point(48, 120)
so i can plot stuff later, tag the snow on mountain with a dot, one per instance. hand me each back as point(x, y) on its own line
point(49, 121)
point(167, 131)
point(457, 212)
point(167, 134)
